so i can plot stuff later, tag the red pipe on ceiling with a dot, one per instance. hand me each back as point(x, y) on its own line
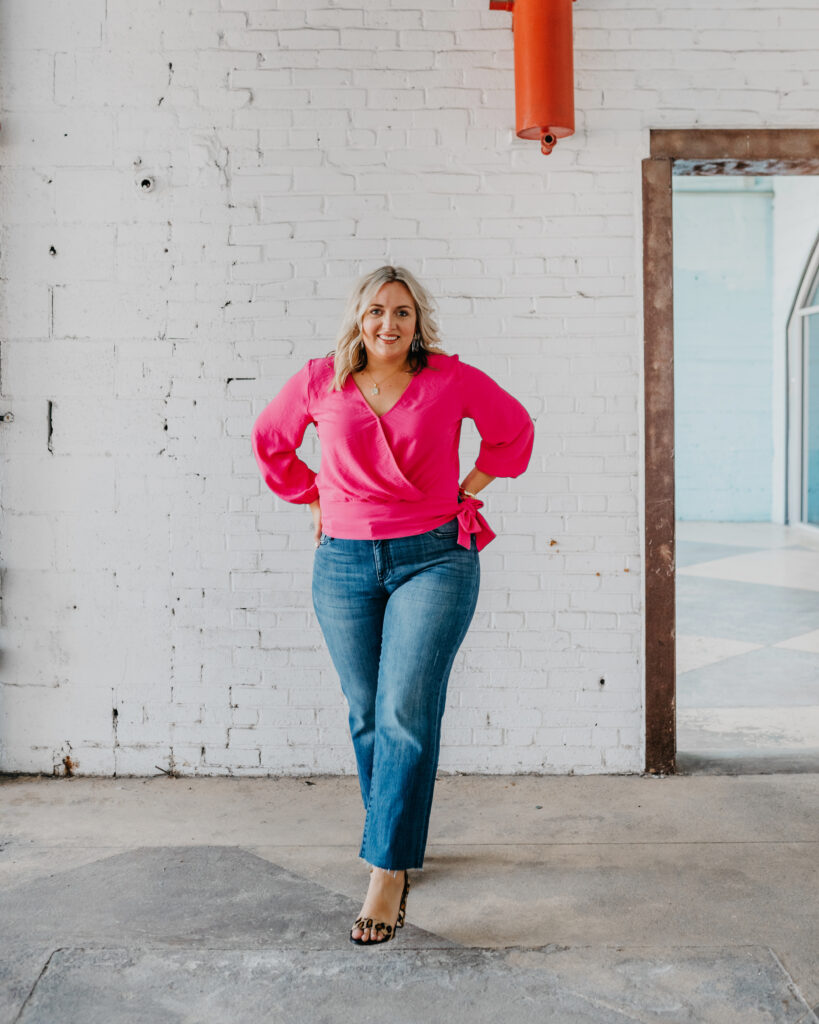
point(544, 68)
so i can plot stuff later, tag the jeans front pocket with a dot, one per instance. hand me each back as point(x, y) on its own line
point(446, 531)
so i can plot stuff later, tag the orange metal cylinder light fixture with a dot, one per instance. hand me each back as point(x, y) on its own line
point(544, 68)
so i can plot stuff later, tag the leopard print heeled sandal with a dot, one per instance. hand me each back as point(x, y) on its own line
point(367, 923)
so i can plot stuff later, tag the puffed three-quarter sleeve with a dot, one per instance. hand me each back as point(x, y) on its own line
point(506, 428)
point(276, 435)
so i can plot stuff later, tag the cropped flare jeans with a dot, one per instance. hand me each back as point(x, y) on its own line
point(394, 613)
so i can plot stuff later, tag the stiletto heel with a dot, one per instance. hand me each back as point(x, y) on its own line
point(364, 924)
point(402, 909)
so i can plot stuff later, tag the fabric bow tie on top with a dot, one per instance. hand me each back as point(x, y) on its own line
point(472, 523)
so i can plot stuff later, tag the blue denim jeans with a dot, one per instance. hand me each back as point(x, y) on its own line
point(394, 613)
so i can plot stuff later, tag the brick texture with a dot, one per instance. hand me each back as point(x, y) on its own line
point(156, 595)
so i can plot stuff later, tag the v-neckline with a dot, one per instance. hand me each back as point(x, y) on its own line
point(380, 416)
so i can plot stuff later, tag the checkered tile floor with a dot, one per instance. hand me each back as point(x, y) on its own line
point(747, 641)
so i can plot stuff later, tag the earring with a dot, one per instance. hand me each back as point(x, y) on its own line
point(416, 342)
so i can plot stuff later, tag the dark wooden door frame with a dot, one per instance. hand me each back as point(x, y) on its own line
point(701, 152)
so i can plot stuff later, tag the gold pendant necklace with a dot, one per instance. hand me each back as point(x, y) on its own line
point(375, 390)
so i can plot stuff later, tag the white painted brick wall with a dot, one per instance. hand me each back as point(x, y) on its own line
point(295, 145)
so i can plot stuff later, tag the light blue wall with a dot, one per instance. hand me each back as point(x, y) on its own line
point(723, 363)
point(811, 417)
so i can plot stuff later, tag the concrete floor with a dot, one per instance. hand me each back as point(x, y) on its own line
point(596, 900)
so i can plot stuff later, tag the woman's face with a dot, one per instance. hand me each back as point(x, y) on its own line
point(388, 323)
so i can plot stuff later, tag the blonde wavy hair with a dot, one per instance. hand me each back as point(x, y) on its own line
point(350, 355)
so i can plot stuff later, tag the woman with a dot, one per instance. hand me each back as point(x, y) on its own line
point(395, 572)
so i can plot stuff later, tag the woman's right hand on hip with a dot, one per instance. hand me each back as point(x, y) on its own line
point(315, 511)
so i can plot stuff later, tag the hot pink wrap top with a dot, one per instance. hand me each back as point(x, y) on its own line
point(397, 474)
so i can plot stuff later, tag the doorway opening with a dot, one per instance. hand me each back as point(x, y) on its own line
point(696, 560)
